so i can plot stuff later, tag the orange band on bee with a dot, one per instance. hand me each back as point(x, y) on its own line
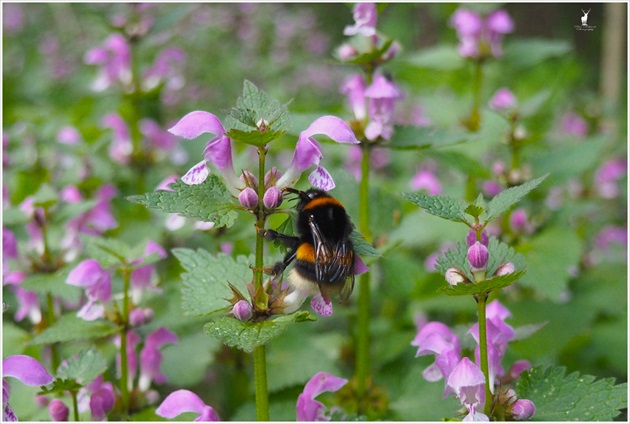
point(305, 253)
point(323, 201)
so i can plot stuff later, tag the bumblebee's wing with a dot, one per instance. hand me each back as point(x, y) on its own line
point(332, 263)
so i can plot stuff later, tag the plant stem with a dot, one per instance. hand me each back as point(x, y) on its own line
point(75, 405)
point(475, 118)
point(260, 373)
point(483, 349)
point(363, 313)
point(260, 361)
point(124, 366)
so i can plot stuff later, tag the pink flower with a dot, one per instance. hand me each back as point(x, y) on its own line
point(425, 179)
point(503, 100)
point(121, 147)
point(26, 369)
point(481, 37)
point(181, 401)
point(114, 58)
point(467, 383)
point(435, 338)
point(364, 15)
point(308, 152)
point(151, 357)
point(98, 288)
point(307, 408)
point(573, 124)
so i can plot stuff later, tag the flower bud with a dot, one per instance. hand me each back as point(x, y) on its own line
point(478, 256)
point(523, 409)
point(272, 198)
point(58, 410)
point(505, 269)
point(471, 238)
point(249, 179)
point(242, 310)
point(248, 198)
point(140, 316)
point(347, 52)
point(503, 99)
point(454, 276)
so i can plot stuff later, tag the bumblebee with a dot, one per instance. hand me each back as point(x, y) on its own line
point(322, 250)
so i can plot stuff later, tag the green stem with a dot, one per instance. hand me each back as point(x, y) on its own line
point(51, 318)
point(124, 366)
point(475, 117)
point(75, 405)
point(260, 361)
point(483, 349)
point(363, 313)
point(260, 373)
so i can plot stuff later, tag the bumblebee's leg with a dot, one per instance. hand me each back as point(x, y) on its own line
point(291, 242)
point(279, 267)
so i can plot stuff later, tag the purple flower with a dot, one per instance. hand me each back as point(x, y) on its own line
point(121, 146)
point(477, 256)
point(165, 68)
point(320, 306)
point(272, 198)
point(26, 369)
point(69, 135)
point(425, 179)
point(471, 238)
point(503, 100)
point(307, 408)
point(218, 150)
point(467, 383)
point(182, 401)
point(156, 136)
point(58, 410)
point(379, 159)
point(573, 124)
point(151, 357)
point(98, 288)
point(481, 37)
point(242, 310)
point(28, 301)
point(248, 198)
point(519, 223)
point(142, 277)
point(382, 95)
point(98, 397)
point(364, 15)
point(114, 58)
point(435, 338)
point(505, 269)
point(607, 176)
point(308, 152)
point(522, 409)
point(354, 88)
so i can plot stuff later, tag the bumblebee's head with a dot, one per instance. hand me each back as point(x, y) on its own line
point(305, 197)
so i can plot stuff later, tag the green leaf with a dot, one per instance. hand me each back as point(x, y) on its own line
point(440, 58)
point(108, 252)
point(500, 253)
point(551, 277)
point(14, 216)
point(443, 206)
point(60, 386)
point(361, 246)
point(253, 106)
point(54, 283)
point(45, 197)
point(531, 52)
point(206, 279)
point(485, 286)
point(408, 137)
point(83, 367)
point(573, 397)
point(455, 258)
point(372, 55)
point(69, 327)
point(209, 201)
point(502, 201)
point(247, 335)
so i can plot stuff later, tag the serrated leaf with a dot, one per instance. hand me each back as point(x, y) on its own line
point(500, 253)
point(455, 258)
point(61, 386)
point(485, 286)
point(474, 210)
point(69, 327)
point(502, 201)
point(83, 367)
point(209, 201)
point(443, 206)
point(108, 252)
point(573, 397)
point(207, 278)
point(253, 106)
point(247, 335)
point(414, 138)
point(361, 246)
